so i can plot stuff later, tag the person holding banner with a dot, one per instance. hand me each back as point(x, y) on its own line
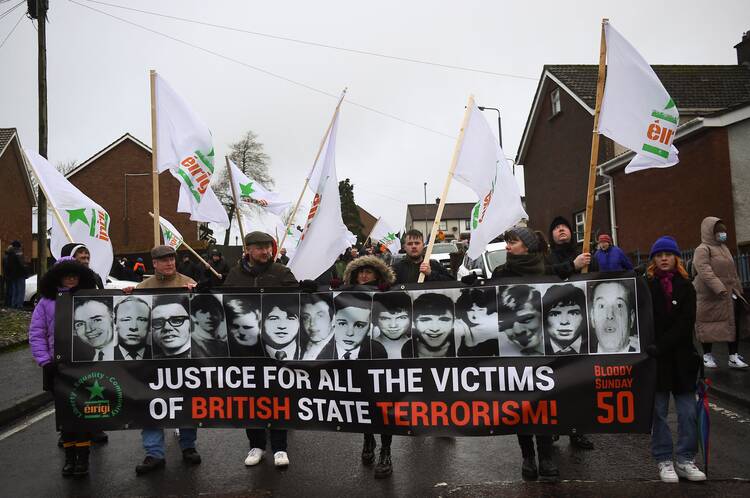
point(674, 302)
point(165, 277)
point(257, 268)
point(526, 250)
point(66, 276)
point(408, 268)
point(366, 272)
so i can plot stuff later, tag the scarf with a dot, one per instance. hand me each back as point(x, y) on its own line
point(525, 264)
point(665, 279)
point(255, 269)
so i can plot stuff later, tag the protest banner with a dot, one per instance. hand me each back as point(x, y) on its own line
point(531, 355)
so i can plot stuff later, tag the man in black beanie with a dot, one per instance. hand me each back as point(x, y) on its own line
point(563, 259)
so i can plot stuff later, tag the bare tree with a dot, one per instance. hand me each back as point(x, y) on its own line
point(248, 155)
point(66, 167)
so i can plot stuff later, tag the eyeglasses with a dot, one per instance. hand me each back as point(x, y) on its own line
point(174, 321)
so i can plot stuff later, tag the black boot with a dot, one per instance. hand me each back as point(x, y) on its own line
point(82, 461)
point(528, 469)
point(581, 441)
point(191, 456)
point(384, 468)
point(149, 465)
point(548, 471)
point(70, 461)
point(368, 449)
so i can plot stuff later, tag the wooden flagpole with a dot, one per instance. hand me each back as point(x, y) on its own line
point(191, 250)
point(154, 165)
point(595, 144)
point(236, 204)
point(50, 204)
point(451, 170)
point(307, 180)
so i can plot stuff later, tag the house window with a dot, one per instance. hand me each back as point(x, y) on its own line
point(443, 225)
point(555, 97)
point(580, 218)
point(467, 224)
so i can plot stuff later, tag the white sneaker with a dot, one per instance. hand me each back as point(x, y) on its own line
point(281, 459)
point(708, 361)
point(688, 470)
point(254, 456)
point(736, 361)
point(667, 473)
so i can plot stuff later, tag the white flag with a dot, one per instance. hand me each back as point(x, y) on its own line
point(274, 226)
point(184, 147)
point(250, 191)
point(86, 221)
point(325, 235)
point(172, 236)
point(636, 111)
point(382, 233)
point(483, 168)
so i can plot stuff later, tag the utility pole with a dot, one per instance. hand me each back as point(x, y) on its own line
point(38, 11)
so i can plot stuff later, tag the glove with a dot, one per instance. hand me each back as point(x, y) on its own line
point(470, 279)
point(652, 350)
point(335, 283)
point(309, 286)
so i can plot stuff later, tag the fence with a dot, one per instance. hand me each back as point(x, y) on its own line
point(741, 261)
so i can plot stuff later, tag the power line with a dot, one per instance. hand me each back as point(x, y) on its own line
point(318, 44)
point(11, 9)
point(12, 30)
point(264, 71)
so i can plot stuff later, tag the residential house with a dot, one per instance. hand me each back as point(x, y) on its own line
point(712, 178)
point(455, 221)
point(19, 198)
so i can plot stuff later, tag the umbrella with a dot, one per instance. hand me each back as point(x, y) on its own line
point(702, 417)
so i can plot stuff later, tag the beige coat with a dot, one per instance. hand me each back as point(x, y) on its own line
point(715, 273)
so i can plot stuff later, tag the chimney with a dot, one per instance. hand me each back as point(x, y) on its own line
point(743, 49)
point(437, 200)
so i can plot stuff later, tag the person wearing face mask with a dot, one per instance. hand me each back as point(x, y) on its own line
point(719, 293)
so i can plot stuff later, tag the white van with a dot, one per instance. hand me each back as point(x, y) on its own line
point(493, 256)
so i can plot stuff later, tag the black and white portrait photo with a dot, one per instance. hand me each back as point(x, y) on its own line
point(392, 321)
point(243, 325)
point(280, 329)
point(351, 327)
point(209, 335)
point(133, 326)
point(170, 326)
point(476, 310)
point(613, 325)
point(565, 323)
point(93, 329)
point(434, 318)
point(316, 339)
point(519, 315)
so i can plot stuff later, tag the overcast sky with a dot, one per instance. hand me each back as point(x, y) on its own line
point(98, 75)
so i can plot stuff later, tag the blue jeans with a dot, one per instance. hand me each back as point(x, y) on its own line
point(687, 432)
point(153, 440)
point(17, 292)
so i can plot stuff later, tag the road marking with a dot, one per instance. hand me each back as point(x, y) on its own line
point(27, 423)
point(736, 417)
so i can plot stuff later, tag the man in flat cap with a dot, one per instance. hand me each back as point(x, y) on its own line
point(166, 276)
point(165, 271)
point(257, 268)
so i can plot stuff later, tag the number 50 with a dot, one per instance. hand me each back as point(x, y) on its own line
point(622, 407)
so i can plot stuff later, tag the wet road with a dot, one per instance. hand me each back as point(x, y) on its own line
point(328, 464)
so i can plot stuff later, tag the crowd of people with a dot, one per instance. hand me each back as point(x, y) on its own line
point(712, 306)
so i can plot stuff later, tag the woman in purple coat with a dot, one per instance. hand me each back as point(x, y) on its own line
point(66, 276)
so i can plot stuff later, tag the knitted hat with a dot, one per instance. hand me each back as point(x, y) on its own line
point(559, 220)
point(527, 236)
point(605, 238)
point(71, 249)
point(665, 244)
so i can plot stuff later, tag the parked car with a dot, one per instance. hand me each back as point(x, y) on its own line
point(493, 256)
point(441, 252)
point(32, 296)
